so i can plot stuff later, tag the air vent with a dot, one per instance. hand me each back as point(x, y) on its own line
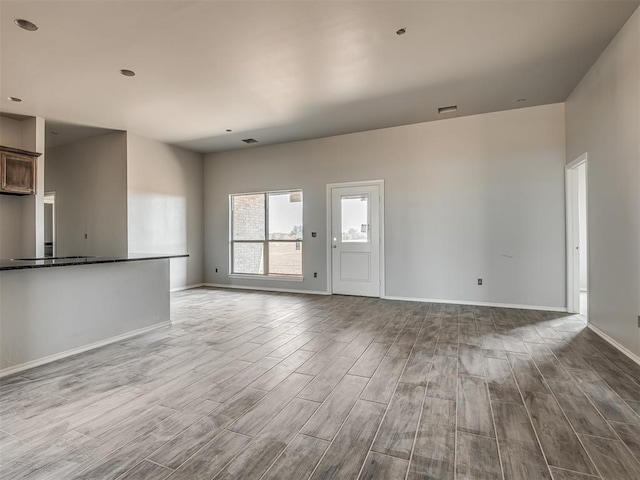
point(449, 109)
point(250, 140)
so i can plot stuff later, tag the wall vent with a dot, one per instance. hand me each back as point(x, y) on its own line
point(250, 140)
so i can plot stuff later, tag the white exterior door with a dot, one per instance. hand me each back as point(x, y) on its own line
point(355, 240)
point(574, 223)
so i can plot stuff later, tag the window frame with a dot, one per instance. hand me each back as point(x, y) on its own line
point(266, 241)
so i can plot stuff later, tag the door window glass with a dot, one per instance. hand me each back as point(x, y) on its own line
point(355, 218)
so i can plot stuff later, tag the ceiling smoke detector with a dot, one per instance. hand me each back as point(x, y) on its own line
point(127, 73)
point(26, 24)
point(250, 140)
point(449, 109)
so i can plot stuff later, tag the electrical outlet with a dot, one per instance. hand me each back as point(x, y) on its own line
point(479, 281)
point(315, 275)
point(314, 234)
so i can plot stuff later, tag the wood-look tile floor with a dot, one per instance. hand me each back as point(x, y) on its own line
point(276, 386)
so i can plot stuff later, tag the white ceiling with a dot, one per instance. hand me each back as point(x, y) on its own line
point(283, 71)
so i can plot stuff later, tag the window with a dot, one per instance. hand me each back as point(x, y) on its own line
point(355, 218)
point(266, 233)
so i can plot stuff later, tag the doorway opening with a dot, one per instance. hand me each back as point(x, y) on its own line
point(50, 224)
point(355, 251)
point(577, 236)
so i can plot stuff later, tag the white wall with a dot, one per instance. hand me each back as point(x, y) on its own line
point(48, 222)
point(603, 119)
point(11, 132)
point(10, 206)
point(10, 226)
point(33, 137)
point(90, 181)
point(165, 205)
point(479, 196)
point(22, 217)
point(46, 312)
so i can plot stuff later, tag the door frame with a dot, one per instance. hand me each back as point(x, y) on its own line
point(46, 199)
point(573, 232)
point(330, 187)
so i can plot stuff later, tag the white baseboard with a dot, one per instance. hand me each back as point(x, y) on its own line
point(266, 289)
point(187, 287)
point(478, 304)
point(390, 297)
point(614, 343)
point(74, 351)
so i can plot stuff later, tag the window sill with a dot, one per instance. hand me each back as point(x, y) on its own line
point(280, 278)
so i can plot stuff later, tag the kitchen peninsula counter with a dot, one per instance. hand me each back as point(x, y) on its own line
point(47, 262)
point(56, 307)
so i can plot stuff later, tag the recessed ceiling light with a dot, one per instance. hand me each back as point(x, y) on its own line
point(15, 99)
point(401, 31)
point(127, 73)
point(229, 130)
point(449, 109)
point(26, 24)
point(250, 140)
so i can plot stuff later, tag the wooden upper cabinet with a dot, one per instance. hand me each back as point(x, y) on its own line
point(18, 171)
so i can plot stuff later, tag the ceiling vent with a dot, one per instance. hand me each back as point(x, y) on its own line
point(250, 140)
point(449, 109)
point(26, 24)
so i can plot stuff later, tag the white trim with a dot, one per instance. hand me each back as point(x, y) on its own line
point(265, 289)
point(479, 304)
point(283, 278)
point(74, 351)
point(186, 287)
point(571, 216)
point(47, 199)
point(391, 297)
point(614, 343)
point(380, 184)
point(578, 161)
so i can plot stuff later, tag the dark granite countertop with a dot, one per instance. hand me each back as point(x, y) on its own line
point(23, 263)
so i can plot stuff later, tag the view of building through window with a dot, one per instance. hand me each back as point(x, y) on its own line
point(266, 234)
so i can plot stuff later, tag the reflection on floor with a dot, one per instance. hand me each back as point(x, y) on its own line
point(252, 385)
point(583, 303)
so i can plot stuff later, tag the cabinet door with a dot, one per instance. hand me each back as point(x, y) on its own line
point(18, 173)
